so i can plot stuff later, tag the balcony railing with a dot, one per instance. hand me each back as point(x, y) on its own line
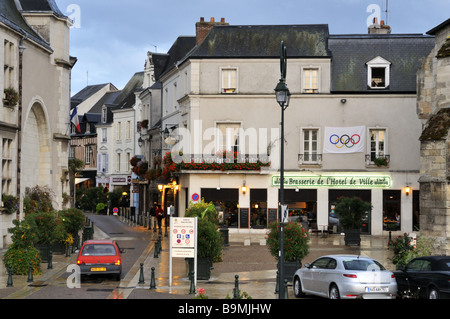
point(309, 159)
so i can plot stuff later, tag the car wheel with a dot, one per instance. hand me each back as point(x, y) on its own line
point(433, 293)
point(297, 286)
point(334, 292)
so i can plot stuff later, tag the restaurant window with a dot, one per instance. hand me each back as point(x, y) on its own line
point(258, 208)
point(378, 73)
point(311, 80)
point(228, 139)
point(229, 80)
point(391, 210)
point(310, 146)
point(226, 202)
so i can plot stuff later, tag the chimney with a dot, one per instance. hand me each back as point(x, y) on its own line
point(202, 28)
point(381, 28)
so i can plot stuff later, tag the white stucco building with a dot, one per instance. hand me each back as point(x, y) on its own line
point(351, 128)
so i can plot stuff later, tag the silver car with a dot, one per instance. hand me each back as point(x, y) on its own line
point(346, 277)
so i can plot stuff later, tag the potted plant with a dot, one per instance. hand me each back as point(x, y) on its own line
point(351, 212)
point(10, 97)
point(10, 203)
point(296, 245)
point(209, 249)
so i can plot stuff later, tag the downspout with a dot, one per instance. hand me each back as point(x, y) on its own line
point(19, 128)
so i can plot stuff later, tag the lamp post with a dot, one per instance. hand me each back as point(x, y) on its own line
point(283, 98)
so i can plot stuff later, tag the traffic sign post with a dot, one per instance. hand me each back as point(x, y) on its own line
point(183, 241)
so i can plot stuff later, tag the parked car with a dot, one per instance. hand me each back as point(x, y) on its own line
point(100, 257)
point(425, 277)
point(346, 277)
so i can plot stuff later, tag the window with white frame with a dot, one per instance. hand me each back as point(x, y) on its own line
point(9, 62)
point(228, 139)
point(378, 73)
point(103, 163)
point(229, 80)
point(104, 135)
point(7, 166)
point(118, 159)
point(377, 144)
point(310, 146)
point(88, 154)
point(311, 80)
point(119, 131)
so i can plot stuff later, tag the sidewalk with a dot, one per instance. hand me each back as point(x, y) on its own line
point(253, 264)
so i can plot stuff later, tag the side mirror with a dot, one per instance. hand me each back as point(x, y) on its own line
point(307, 266)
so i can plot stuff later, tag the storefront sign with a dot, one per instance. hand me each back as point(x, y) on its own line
point(374, 181)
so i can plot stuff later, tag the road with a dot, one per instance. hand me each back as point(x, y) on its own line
point(136, 242)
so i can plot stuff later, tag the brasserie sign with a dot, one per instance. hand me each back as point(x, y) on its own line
point(375, 181)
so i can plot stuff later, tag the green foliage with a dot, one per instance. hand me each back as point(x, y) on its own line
point(38, 199)
point(10, 203)
point(404, 250)
point(296, 241)
point(209, 237)
point(88, 198)
point(73, 220)
point(351, 212)
point(203, 210)
point(21, 252)
point(47, 226)
point(19, 259)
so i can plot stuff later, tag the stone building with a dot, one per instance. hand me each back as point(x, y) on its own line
point(34, 50)
point(433, 108)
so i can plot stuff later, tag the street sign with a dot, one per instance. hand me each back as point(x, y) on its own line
point(183, 241)
point(115, 210)
point(195, 197)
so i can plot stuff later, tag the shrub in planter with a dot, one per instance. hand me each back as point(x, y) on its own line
point(296, 241)
point(21, 252)
point(351, 212)
point(47, 226)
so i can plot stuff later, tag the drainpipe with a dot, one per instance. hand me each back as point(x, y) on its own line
point(19, 127)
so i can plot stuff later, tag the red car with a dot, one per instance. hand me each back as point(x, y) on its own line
point(100, 257)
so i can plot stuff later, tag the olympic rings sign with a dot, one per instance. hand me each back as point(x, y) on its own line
point(345, 140)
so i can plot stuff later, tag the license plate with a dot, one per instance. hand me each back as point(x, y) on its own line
point(377, 289)
point(98, 269)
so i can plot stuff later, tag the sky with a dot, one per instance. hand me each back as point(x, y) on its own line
point(111, 38)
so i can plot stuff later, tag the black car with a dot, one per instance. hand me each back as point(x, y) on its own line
point(425, 277)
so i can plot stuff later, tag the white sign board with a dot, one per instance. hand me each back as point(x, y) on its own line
point(183, 241)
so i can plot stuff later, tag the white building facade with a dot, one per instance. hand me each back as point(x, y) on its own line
point(351, 128)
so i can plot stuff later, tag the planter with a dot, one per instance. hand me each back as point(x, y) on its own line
point(352, 237)
point(289, 269)
point(225, 236)
point(204, 266)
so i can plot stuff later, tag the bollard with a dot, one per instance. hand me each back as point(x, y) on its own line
point(10, 279)
point(50, 259)
point(236, 287)
point(152, 280)
point(277, 285)
point(286, 289)
point(192, 286)
point(159, 244)
point(141, 275)
point(67, 250)
point(30, 272)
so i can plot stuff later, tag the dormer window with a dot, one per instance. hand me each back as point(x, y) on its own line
point(378, 73)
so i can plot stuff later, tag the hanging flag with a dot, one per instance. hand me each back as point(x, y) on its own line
point(343, 140)
point(75, 120)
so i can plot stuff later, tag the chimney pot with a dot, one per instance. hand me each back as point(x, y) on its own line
point(202, 19)
point(212, 19)
point(222, 20)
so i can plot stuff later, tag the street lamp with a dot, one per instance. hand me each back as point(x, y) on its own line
point(283, 97)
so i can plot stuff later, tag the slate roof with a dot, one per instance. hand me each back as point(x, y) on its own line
point(406, 52)
point(180, 48)
point(87, 92)
point(263, 41)
point(11, 17)
point(41, 6)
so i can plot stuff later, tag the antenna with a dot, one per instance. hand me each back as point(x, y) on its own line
point(87, 77)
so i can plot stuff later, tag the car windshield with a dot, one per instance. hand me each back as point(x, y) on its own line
point(362, 264)
point(98, 250)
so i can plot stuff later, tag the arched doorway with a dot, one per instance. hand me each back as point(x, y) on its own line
point(36, 149)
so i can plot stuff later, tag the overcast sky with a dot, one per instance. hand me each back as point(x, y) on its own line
point(111, 38)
